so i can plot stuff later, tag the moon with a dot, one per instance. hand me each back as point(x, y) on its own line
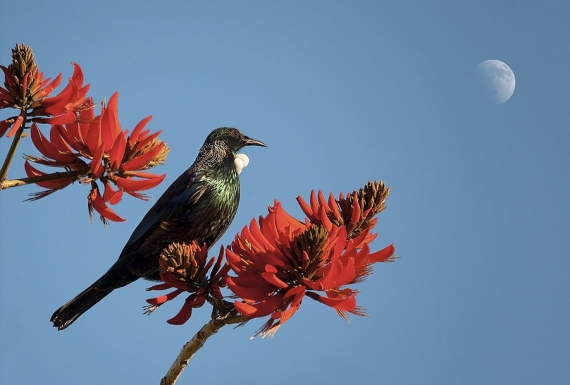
point(496, 81)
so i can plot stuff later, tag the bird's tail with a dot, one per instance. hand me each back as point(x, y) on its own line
point(68, 313)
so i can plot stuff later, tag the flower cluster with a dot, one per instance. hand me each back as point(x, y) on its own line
point(271, 266)
point(356, 212)
point(26, 89)
point(98, 149)
point(280, 261)
point(88, 148)
point(184, 268)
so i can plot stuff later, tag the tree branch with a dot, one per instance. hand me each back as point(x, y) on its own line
point(192, 346)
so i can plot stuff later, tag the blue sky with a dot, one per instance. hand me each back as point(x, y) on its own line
point(342, 94)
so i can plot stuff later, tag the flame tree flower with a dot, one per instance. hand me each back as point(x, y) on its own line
point(89, 149)
point(26, 89)
point(275, 264)
point(280, 261)
point(356, 212)
point(184, 268)
point(95, 148)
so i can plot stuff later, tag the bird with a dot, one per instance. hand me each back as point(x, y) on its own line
point(198, 206)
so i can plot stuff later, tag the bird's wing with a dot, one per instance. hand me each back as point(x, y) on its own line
point(182, 193)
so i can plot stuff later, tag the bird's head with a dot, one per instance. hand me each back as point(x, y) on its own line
point(232, 138)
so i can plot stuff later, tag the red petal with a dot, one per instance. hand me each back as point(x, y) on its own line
point(323, 203)
point(314, 205)
point(251, 294)
point(163, 298)
point(110, 128)
point(283, 316)
point(216, 291)
point(341, 242)
point(70, 94)
point(15, 126)
point(133, 138)
point(67, 118)
point(71, 134)
point(48, 149)
point(334, 206)
point(56, 105)
point(338, 303)
point(270, 276)
point(323, 217)
point(263, 242)
point(338, 274)
point(58, 141)
point(140, 160)
point(86, 116)
point(312, 284)
point(297, 292)
point(99, 205)
point(360, 239)
point(218, 262)
point(77, 76)
point(116, 198)
point(97, 168)
point(139, 185)
point(200, 299)
point(32, 171)
point(234, 260)
point(260, 309)
point(48, 184)
point(305, 207)
point(144, 142)
point(94, 135)
point(284, 220)
point(110, 195)
point(117, 151)
point(382, 255)
point(183, 315)
point(51, 86)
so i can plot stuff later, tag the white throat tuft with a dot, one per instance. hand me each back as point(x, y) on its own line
point(241, 161)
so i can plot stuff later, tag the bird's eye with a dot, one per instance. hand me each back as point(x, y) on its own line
point(236, 133)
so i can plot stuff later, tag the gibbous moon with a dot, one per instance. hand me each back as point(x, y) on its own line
point(496, 81)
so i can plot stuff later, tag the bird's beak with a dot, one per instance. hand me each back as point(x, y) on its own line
point(253, 142)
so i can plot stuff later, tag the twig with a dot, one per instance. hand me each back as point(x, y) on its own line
point(56, 175)
point(11, 152)
point(192, 346)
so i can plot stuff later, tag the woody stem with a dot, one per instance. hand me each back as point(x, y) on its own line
point(34, 179)
point(11, 152)
point(191, 347)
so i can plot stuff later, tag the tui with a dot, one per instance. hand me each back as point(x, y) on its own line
point(198, 206)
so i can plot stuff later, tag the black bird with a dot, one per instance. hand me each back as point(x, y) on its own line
point(198, 206)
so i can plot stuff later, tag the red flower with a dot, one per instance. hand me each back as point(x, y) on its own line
point(65, 106)
point(25, 89)
point(96, 148)
point(184, 268)
point(356, 212)
point(280, 261)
